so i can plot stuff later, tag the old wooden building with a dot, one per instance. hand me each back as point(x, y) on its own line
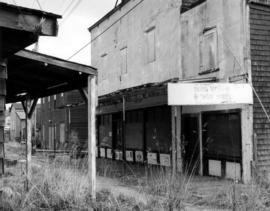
point(20, 27)
point(63, 117)
point(177, 89)
point(210, 58)
point(17, 123)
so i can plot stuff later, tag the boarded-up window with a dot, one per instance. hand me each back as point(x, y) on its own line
point(105, 131)
point(134, 130)
point(158, 129)
point(62, 133)
point(209, 50)
point(123, 53)
point(104, 61)
point(151, 45)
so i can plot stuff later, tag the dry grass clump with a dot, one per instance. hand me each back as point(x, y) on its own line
point(64, 186)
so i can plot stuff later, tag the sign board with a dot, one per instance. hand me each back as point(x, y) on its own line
point(165, 160)
point(139, 156)
point(152, 158)
point(118, 155)
point(129, 156)
point(109, 153)
point(209, 94)
point(102, 152)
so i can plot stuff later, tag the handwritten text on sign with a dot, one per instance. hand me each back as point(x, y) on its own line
point(209, 93)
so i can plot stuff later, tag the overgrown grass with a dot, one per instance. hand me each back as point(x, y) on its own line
point(63, 186)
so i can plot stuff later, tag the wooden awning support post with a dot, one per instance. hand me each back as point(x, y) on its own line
point(84, 94)
point(92, 103)
point(3, 76)
point(176, 140)
point(29, 108)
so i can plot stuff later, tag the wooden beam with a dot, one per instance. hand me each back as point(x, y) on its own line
point(92, 96)
point(33, 107)
point(29, 107)
point(49, 60)
point(84, 94)
point(27, 21)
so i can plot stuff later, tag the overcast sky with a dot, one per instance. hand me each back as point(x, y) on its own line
point(73, 33)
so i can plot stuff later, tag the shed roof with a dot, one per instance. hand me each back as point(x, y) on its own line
point(38, 75)
point(17, 106)
point(21, 114)
point(20, 27)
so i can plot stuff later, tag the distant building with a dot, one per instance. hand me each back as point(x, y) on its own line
point(63, 121)
point(17, 122)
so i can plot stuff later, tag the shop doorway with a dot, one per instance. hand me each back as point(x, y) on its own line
point(222, 154)
point(191, 143)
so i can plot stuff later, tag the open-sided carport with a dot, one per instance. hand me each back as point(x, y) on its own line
point(26, 76)
point(32, 75)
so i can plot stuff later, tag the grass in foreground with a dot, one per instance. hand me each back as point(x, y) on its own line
point(62, 186)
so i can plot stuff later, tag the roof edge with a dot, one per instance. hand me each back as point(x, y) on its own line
point(28, 10)
point(109, 14)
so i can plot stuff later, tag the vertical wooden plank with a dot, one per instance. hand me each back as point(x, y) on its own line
point(174, 115)
point(247, 142)
point(28, 143)
point(201, 144)
point(178, 139)
point(3, 76)
point(124, 129)
point(92, 102)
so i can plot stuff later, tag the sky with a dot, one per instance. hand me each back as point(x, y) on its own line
point(73, 29)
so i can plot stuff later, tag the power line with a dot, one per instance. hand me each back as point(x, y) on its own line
point(39, 5)
point(71, 11)
point(110, 26)
point(67, 8)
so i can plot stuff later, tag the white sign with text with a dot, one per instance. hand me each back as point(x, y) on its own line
point(209, 94)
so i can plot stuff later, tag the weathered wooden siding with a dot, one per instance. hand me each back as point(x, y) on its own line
point(56, 112)
point(260, 58)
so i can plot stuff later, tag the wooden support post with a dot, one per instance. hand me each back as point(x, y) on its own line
point(124, 130)
point(92, 100)
point(3, 76)
point(178, 140)
point(177, 165)
point(28, 144)
point(174, 116)
point(29, 108)
point(201, 144)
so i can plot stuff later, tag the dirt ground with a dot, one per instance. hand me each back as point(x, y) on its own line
point(15, 154)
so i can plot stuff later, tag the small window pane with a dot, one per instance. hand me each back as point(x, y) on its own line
point(208, 51)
